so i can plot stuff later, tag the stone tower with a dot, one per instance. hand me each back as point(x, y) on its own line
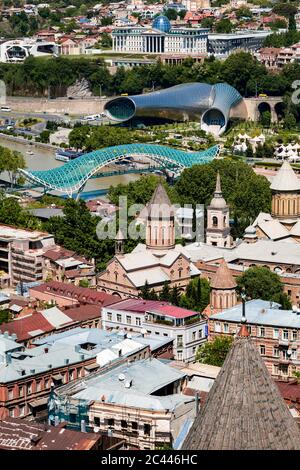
point(160, 230)
point(119, 243)
point(223, 293)
point(218, 230)
point(286, 195)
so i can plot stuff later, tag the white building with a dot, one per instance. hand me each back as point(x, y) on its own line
point(160, 38)
point(17, 50)
point(152, 317)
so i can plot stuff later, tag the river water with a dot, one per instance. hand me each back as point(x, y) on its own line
point(44, 159)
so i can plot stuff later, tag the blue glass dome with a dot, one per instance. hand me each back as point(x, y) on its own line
point(162, 23)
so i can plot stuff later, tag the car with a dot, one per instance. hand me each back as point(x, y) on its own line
point(66, 114)
point(5, 108)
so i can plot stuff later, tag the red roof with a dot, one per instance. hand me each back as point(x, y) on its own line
point(289, 390)
point(81, 294)
point(83, 312)
point(25, 325)
point(173, 311)
point(155, 306)
point(138, 305)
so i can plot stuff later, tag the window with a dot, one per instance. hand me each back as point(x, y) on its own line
point(179, 340)
point(138, 322)
point(29, 388)
point(109, 316)
point(10, 393)
point(22, 410)
point(225, 328)
point(285, 334)
point(134, 425)
point(97, 421)
point(261, 332)
point(119, 318)
point(128, 319)
point(179, 355)
point(294, 354)
point(262, 349)
point(217, 327)
point(295, 335)
point(110, 422)
point(194, 335)
point(276, 352)
point(194, 350)
point(38, 386)
point(47, 383)
point(123, 424)
point(275, 333)
point(147, 429)
point(71, 374)
point(285, 354)
point(200, 334)
point(20, 391)
point(11, 412)
point(215, 221)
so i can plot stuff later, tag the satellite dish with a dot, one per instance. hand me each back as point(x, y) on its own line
point(121, 377)
point(128, 384)
point(289, 352)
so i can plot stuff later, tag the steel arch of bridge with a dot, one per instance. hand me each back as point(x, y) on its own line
point(71, 177)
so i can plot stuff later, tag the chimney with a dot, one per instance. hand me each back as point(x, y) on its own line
point(77, 347)
point(46, 350)
point(83, 425)
point(14, 337)
point(8, 358)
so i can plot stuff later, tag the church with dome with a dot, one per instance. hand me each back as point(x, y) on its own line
point(160, 38)
point(283, 223)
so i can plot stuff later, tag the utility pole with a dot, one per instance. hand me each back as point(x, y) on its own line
point(100, 89)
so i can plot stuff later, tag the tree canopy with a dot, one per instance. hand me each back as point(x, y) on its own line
point(214, 352)
point(258, 282)
point(246, 193)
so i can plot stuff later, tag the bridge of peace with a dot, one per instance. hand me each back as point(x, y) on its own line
point(212, 105)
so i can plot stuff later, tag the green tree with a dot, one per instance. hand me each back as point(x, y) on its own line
point(165, 293)
point(246, 193)
point(171, 13)
point(289, 121)
point(224, 26)
point(197, 294)
point(214, 352)
point(249, 152)
point(243, 12)
point(11, 161)
point(146, 293)
point(84, 283)
point(258, 282)
point(207, 22)
point(265, 118)
point(106, 41)
point(175, 296)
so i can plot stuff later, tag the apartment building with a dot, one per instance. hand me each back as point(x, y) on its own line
point(27, 375)
point(276, 333)
point(140, 402)
point(21, 253)
point(160, 319)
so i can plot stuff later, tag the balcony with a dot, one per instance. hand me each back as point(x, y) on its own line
point(283, 342)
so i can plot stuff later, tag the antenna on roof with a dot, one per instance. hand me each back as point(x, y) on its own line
point(243, 297)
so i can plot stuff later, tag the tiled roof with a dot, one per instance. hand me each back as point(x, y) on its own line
point(26, 325)
point(18, 434)
point(173, 311)
point(138, 305)
point(223, 278)
point(286, 179)
point(81, 294)
point(243, 410)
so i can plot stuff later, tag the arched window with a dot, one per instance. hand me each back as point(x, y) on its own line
point(224, 220)
point(163, 234)
point(215, 221)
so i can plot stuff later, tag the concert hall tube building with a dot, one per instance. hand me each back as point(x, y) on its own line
point(211, 104)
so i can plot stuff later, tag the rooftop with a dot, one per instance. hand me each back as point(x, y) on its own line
point(19, 434)
point(243, 410)
point(259, 312)
point(285, 179)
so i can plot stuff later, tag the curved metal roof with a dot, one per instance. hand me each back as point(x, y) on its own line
point(187, 100)
point(72, 176)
